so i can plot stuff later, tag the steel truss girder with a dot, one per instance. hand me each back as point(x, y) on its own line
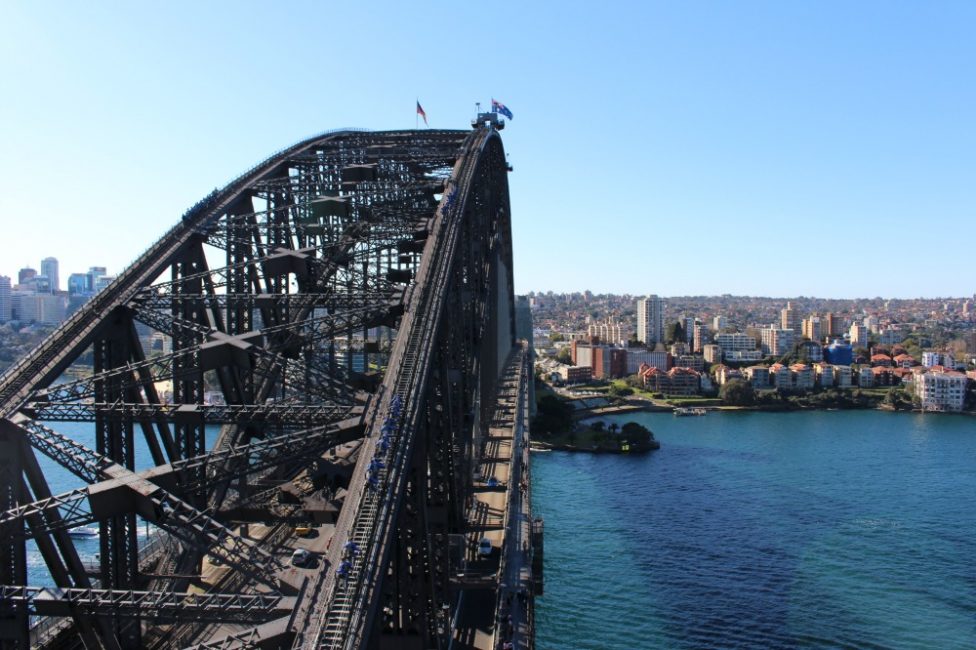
point(273, 414)
point(286, 302)
point(154, 605)
point(74, 508)
point(366, 517)
point(123, 491)
point(479, 192)
point(187, 362)
point(360, 242)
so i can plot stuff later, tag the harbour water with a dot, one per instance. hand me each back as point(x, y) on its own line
point(847, 529)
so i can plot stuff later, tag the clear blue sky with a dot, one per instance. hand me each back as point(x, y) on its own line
point(766, 148)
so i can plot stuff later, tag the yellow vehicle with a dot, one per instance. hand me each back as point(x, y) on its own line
point(303, 531)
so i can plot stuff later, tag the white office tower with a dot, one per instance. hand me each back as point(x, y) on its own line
point(49, 267)
point(650, 320)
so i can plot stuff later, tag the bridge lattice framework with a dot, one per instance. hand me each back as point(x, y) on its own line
point(356, 286)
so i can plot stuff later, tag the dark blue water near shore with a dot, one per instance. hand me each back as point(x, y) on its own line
point(765, 530)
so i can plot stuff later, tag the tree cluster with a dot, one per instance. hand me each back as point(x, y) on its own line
point(553, 415)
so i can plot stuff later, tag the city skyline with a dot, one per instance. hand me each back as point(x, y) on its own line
point(4, 272)
point(757, 149)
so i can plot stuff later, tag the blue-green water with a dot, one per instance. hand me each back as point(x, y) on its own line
point(764, 530)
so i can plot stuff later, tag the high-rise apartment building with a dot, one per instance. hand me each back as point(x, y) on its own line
point(5, 306)
point(813, 329)
point(859, 335)
point(788, 321)
point(777, 342)
point(700, 337)
point(734, 341)
point(650, 320)
point(26, 275)
point(609, 332)
point(49, 267)
point(833, 326)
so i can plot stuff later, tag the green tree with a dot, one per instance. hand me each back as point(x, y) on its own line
point(565, 355)
point(554, 415)
point(737, 392)
point(620, 391)
point(637, 433)
point(674, 332)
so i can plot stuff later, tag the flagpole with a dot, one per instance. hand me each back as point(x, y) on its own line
point(416, 116)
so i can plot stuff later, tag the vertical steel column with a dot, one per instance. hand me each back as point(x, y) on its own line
point(114, 438)
point(14, 633)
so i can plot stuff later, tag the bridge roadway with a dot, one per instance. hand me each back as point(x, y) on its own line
point(496, 605)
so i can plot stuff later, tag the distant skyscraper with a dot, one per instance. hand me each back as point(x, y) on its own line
point(95, 273)
point(700, 337)
point(41, 284)
point(4, 299)
point(78, 283)
point(650, 320)
point(834, 326)
point(688, 322)
point(25, 275)
point(788, 320)
point(813, 328)
point(49, 267)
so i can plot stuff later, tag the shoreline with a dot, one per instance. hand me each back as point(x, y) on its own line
point(536, 445)
point(651, 406)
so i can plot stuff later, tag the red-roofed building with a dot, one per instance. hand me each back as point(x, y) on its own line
point(904, 360)
point(882, 376)
point(882, 360)
point(677, 381)
point(684, 381)
point(802, 376)
point(902, 373)
point(780, 376)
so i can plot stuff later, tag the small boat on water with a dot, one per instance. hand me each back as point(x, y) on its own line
point(685, 410)
point(83, 531)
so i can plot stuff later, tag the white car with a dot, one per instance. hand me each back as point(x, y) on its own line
point(300, 557)
point(484, 547)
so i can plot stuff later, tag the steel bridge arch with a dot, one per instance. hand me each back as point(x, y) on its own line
point(354, 292)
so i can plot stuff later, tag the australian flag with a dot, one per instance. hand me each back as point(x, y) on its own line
point(498, 107)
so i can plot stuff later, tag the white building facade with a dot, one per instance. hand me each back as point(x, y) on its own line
point(650, 320)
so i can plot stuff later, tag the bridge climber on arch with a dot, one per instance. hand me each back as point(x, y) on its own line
point(349, 301)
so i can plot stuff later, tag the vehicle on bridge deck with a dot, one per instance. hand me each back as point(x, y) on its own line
point(484, 547)
point(300, 557)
